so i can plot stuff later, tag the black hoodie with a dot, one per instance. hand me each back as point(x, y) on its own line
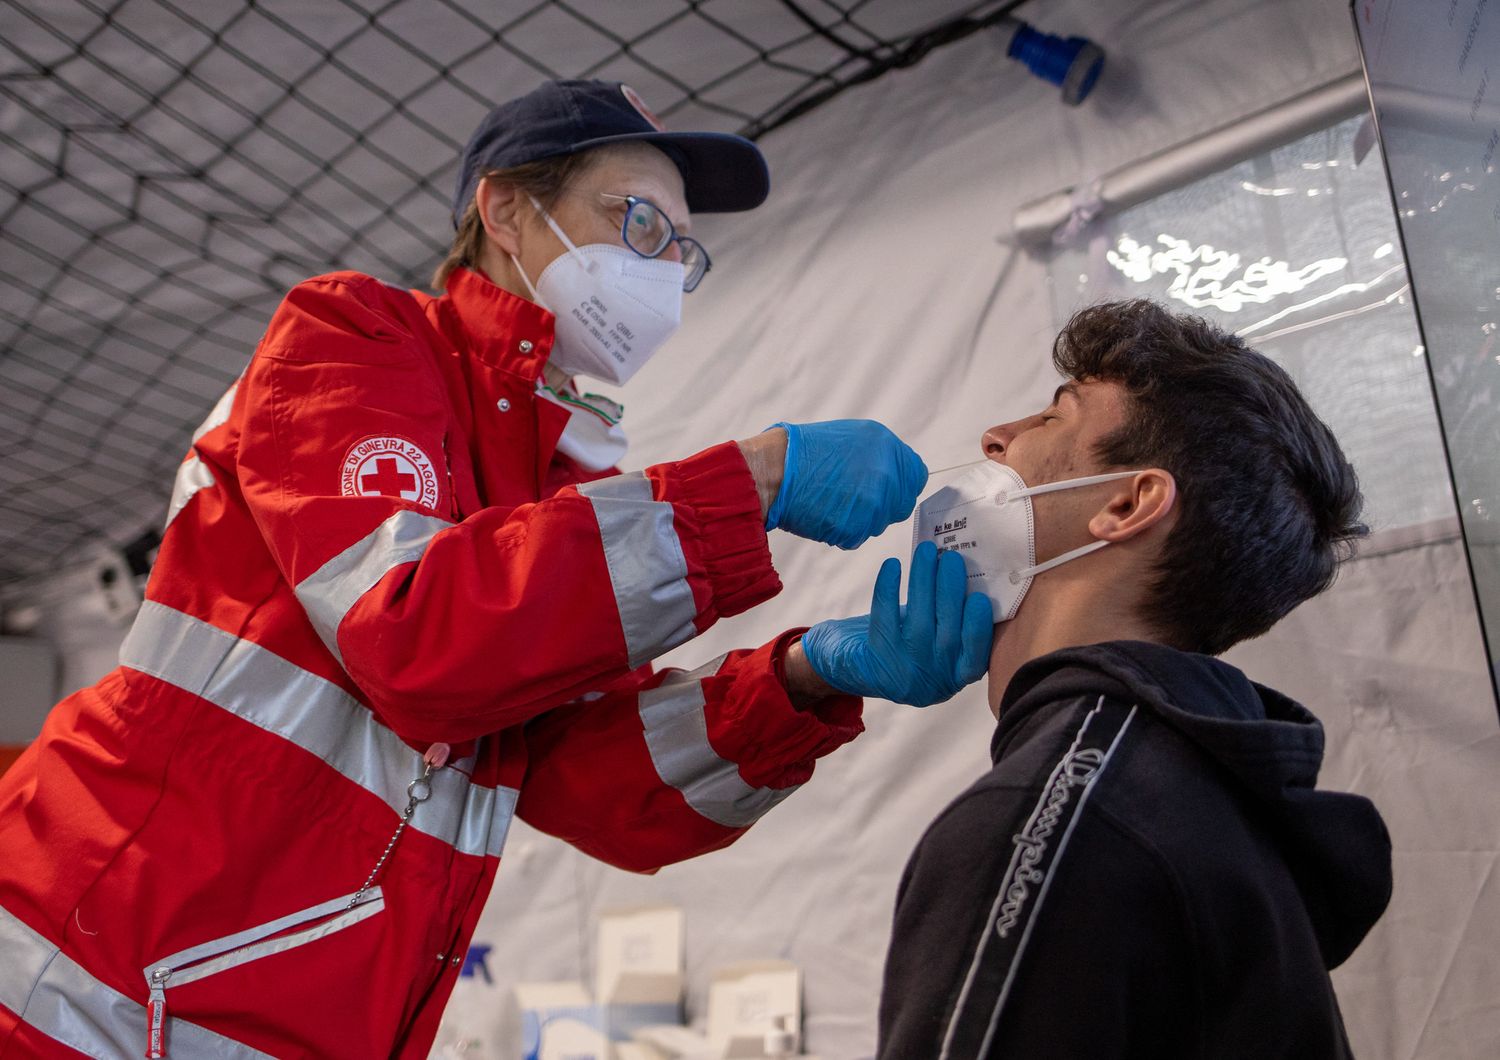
point(1147, 871)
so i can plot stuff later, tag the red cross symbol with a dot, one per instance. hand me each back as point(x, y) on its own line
point(387, 480)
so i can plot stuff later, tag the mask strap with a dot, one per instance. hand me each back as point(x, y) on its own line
point(1018, 576)
point(588, 263)
point(527, 281)
point(1067, 484)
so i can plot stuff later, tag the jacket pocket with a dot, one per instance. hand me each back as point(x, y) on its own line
point(221, 955)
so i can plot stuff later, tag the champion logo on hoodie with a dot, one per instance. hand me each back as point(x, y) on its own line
point(1076, 770)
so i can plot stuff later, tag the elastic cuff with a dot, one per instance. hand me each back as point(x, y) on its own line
point(773, 742)
point(778, 506)
point(717, 514)
point(836, 709)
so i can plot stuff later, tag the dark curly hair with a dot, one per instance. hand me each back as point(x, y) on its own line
point(1268, 505)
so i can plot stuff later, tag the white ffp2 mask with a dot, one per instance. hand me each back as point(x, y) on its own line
point(985, 516)
point(614, 308)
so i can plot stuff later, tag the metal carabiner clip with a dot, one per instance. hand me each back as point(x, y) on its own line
point(420, 790)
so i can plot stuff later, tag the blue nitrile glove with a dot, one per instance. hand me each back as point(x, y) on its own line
point(845, 481)
point(919, 654)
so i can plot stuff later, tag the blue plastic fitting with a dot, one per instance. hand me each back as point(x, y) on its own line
point(1073, 63)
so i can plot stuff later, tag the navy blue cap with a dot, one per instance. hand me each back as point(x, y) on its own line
point(721, 172)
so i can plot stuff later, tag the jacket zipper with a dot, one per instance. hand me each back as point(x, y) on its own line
point(211, 958)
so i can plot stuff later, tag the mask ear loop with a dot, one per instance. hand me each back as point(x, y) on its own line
point(527, 281)
point(1018, 576)
point(588, 263)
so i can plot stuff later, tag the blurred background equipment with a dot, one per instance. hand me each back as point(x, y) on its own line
point(1071, 63)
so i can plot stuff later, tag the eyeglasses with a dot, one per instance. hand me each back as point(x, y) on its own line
point(649, 232)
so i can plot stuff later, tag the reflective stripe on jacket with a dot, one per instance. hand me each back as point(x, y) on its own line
point(373, 548)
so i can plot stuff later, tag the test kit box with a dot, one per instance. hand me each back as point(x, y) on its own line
point(754, 1010)
point(749, 1003)
point(637, 983)
point(638, 972)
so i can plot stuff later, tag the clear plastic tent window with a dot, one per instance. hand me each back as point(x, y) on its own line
point(1297, 251)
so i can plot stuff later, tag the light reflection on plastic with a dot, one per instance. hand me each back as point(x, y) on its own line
point(1204, 276)
point(1260, 190)
point(1398, 296)
point(1382, 250)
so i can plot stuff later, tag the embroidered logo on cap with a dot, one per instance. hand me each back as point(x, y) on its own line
point(633, 98)
point(388, 466)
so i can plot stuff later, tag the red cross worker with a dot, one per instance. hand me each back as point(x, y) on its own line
point(406, 593)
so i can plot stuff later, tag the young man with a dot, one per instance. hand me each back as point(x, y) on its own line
point(1147, 871)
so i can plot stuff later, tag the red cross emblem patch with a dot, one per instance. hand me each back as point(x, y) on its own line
point(388, 466)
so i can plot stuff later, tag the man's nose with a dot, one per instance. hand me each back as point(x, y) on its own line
point(996, 440)
point(673, 251)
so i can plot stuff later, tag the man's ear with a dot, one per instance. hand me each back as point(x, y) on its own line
point(1148, 499)
point(499, 205)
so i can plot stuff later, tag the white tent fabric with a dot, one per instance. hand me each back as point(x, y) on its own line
point(878, 281)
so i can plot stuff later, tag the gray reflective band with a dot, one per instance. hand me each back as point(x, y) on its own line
point(194, 474)
point(262, 688)
point(486, 819)
point(646, 566)
point(677, 736)
point(220, 413)
point(56, 996)
point(330, 591)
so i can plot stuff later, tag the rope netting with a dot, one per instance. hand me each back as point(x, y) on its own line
point(173, 166)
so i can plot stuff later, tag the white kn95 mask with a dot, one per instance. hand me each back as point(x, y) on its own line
point(614, 308)
point(985, 516)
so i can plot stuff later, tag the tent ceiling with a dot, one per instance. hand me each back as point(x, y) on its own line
point(172, 167)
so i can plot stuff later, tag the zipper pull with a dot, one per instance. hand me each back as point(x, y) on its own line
point(156, 1014)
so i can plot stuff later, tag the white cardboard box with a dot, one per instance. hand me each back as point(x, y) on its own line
point(638, 982)
point(751, 1005)
point(749, 999)
point(638, 977)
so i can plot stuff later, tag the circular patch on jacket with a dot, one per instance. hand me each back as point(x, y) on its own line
point(388, 466)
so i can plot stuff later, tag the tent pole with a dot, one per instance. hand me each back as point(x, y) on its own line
point(1166, 170)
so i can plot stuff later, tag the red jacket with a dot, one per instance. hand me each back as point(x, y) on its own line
point(371, 553)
